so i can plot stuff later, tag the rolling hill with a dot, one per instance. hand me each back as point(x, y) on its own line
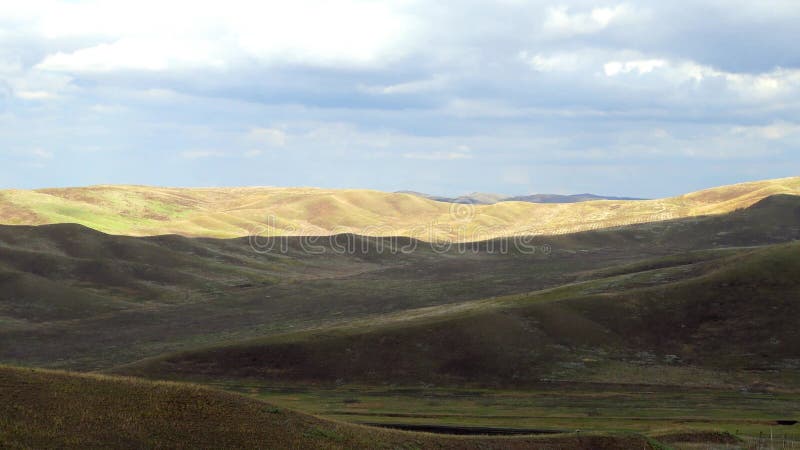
point(732, 314)
point(236, 212)
point(77, 298)
point(687, 318)
point(47, 409)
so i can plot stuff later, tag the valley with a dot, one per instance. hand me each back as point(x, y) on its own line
point(684, 325)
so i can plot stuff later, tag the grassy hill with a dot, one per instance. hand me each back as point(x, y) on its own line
point(700, 309)
point(72, 297)
point(46, 409)
point(233, 212)
point(652, 322)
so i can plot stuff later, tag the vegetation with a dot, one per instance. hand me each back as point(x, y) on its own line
point(235, 212)
point(46, 409)
point(667, 327)
point(549, 406)
point(718, 315)
point(112, 300)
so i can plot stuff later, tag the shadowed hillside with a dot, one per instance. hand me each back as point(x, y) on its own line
point(232, 212)
point(44, 409)
point(735, 313)
point(76, 298)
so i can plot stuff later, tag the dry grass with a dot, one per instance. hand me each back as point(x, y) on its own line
point(233, 212)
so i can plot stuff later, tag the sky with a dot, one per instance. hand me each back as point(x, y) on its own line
point(645, 98)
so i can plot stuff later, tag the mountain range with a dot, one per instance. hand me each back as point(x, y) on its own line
point(483, 198)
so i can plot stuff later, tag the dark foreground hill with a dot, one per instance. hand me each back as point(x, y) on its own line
point(45, 409)
point(719, 312)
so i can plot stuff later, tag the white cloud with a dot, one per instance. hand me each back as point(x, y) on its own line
point(152, 35)
point(558, 62)
point(41, 153)
point(640, 66)
point(322, 32)
point(201, 154)
point(438, 156)
point(35, 95)
point(27, 84)
point(661, 133)
point(560, 21)
point(636, 69)
point(411, 87)
point(101, 108)
point(158, 94)
point(468, 108)
point(136, 54)
point(774, 131)
point(269, 136)
point(335, 82)
point(586, 61)
point(663, 73)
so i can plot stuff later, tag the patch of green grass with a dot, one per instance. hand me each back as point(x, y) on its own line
point(47, 409)
point(587, 407)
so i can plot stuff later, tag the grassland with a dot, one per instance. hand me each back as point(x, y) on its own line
point(658, 327)
point(46, 409)
point(679, 341)
point(698, 341)
point(236, 212)
point(734, 314)
point(75, 298)
point(555, 406)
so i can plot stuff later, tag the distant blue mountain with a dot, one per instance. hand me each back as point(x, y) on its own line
point(480, 198)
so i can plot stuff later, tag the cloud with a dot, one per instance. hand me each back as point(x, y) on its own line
point(156, 36)
point(559, 62)
point(35, 95)
point(640, 66)
point(660, 74)
point(135, 54)
point(774, 131)
point(439, 156)
point(106, 109)
point(410, 87)
point(370, 91)
point(560, 21)
point(41, 154)
point(201, 154)
point(268, 136)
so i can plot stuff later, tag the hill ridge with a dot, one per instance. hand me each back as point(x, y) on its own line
point(523, 339)
point(243, 211)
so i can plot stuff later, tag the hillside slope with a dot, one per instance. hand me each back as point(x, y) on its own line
point(72, 297)
point(232, 212)
point(45, 409)
point(733, 314)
